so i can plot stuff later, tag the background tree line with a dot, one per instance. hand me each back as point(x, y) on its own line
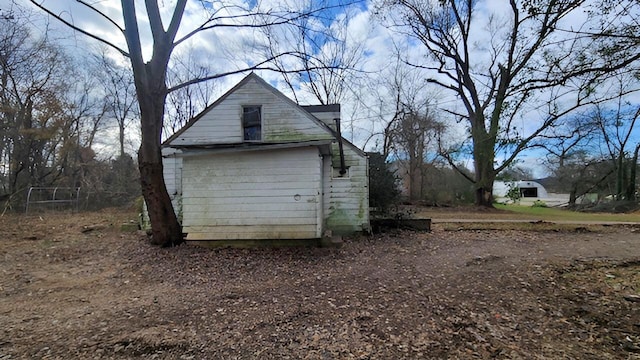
point(512, 79)
point(55, 110)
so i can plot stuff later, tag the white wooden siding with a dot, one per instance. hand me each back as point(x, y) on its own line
point(327, 117)
point(252, 195)
point(282, 120)
point(172, 171)
point(346, 200)
point(220, 125)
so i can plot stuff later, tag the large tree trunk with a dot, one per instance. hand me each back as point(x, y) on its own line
point(483, 156)
point(485, 176)
point(166, 230)
point(484, 192)
point(151, 90)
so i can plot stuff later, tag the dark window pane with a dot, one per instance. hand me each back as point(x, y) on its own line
point(251, 122)
point(252, 133)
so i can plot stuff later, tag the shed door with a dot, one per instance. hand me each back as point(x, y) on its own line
point(252, 195)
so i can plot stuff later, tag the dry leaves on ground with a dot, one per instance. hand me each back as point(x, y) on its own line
point(68, 292)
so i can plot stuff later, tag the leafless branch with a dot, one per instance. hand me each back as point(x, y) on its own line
point(79, 29)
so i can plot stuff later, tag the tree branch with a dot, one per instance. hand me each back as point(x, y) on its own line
point(80, 30)
point(132, 34)
point(258, 66)
point(103, 15)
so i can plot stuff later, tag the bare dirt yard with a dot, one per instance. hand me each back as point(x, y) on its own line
point(74, 286)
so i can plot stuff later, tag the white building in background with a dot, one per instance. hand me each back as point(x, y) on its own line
point(530, 192)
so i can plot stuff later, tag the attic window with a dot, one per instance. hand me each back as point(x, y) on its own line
point(252, 123)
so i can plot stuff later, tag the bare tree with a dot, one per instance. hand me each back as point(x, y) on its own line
point(333, 57)
point(117, 83)
point(83, 116)
point(32, 75)
point(185, 103)
point(405, 121)
point(150, 77)
point(570, 157)
point(503, 78)
point(413, 137)
point(48, 112)
point(394, 93)
point(617, 125)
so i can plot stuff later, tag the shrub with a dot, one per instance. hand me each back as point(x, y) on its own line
point(539, 203)
point(383, 187)
point(514, 193)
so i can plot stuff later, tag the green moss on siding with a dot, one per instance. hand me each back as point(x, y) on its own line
point(336, 214)
point(341, 221)
point(287, 134)
point(351, 219)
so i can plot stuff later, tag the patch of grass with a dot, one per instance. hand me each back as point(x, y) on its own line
point(555, 214)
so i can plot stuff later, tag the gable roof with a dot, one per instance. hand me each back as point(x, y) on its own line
point(253, 76)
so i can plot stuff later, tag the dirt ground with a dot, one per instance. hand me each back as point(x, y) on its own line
point(73, 286)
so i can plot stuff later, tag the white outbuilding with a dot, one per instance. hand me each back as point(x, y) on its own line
point(257, 166)
point(528, 189)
